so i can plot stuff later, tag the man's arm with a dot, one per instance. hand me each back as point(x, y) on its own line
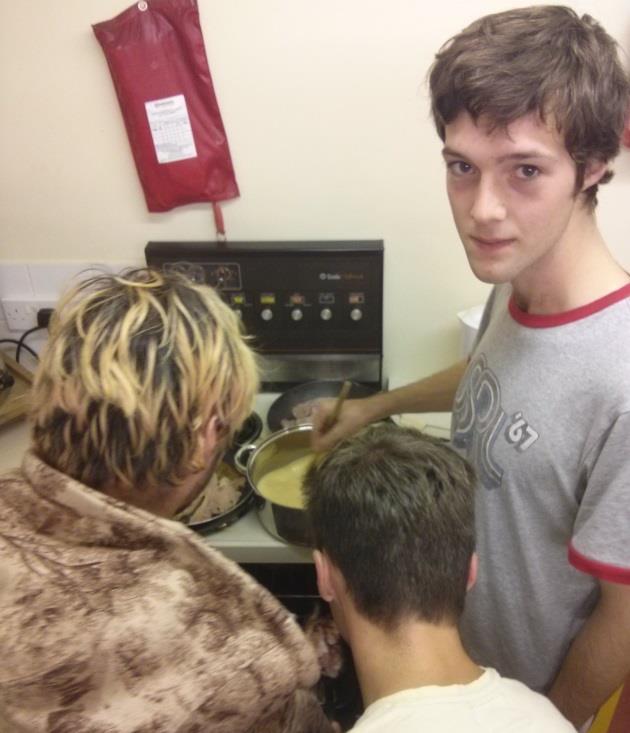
point(435, 393)
point(598, 661)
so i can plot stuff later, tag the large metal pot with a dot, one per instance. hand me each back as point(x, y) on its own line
point(255, 461)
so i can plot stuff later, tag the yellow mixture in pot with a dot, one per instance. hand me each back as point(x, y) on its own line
point(284, 485)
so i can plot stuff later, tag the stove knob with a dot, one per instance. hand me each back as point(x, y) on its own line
point(326, 314)
point(266, 314)
point(297, 314)
point(356, 314)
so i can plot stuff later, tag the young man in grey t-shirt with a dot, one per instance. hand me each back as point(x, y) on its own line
point(531, 105)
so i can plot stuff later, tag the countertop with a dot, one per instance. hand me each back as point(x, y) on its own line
point(246, 541)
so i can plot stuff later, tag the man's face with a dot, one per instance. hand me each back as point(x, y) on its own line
point(512, 193)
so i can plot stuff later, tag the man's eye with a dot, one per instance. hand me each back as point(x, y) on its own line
point(459, 167)
point(527, 171)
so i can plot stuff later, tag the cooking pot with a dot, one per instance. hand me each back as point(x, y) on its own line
point(255, 461)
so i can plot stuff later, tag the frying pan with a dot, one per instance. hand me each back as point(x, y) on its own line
point(282, 408)
point(252, 427)
point(216, 522)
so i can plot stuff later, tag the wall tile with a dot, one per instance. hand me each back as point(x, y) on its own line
point(15, 281)
point(50, 279)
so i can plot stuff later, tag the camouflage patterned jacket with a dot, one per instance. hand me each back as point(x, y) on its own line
point(113, 620)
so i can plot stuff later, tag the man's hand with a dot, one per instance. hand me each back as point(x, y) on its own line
point(598, 661)
point(431, 394)
point(354, 415)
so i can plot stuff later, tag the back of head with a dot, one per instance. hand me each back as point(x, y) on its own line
point(135, 366)
point(544, 60)
point(394, 511)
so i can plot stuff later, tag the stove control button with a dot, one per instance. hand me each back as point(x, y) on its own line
point(266, 314)
point(297, 314)
point(356, 314)
point(326, 314)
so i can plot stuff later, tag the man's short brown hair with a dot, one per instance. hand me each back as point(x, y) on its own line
point(394, 511)
point(135, 367)
point(545, 60)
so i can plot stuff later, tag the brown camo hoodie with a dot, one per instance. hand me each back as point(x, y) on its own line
point(113, 620)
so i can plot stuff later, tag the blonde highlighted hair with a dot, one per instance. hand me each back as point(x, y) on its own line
point(135, 367)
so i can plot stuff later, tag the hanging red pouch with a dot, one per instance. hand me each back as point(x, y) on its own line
point(157, 59)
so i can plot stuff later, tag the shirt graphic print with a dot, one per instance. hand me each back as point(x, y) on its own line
point(479, 420)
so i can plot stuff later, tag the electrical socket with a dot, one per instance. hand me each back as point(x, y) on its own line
point(21, 314)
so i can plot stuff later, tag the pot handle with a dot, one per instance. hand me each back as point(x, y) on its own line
point(242, 456)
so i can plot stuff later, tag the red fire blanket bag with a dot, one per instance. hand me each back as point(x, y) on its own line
point(157, 59)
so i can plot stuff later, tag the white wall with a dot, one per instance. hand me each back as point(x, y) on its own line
point(326, 114)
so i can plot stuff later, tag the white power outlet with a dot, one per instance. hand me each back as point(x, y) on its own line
point(21, 314)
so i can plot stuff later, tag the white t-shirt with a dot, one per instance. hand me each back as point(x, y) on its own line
point(490, 704)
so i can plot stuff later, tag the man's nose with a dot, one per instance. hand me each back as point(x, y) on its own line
point(488, 202)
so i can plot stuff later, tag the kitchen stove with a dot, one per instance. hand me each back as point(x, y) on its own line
point(314, 309)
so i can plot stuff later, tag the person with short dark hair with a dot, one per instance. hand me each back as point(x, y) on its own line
point(544, 61)
point(113, 617)
point(392, 517)
point(530, 105)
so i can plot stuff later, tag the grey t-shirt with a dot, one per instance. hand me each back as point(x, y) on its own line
point(543, 413)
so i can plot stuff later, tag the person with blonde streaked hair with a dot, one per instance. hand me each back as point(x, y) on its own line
point(136, 365)
point(112, 615)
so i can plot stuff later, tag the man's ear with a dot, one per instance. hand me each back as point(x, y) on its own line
point(472, 571)
point(209, 437)
point(324, 575)
point(595, 170)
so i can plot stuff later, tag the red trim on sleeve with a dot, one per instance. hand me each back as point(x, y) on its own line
point(533, 320)
point(603, 571)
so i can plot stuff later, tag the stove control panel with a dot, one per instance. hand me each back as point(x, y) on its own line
point(293, 297)
point(272, 303)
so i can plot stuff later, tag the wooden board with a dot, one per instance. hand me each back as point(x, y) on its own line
point(16, 403)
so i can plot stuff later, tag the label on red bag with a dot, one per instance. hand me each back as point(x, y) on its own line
point(170, 129)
